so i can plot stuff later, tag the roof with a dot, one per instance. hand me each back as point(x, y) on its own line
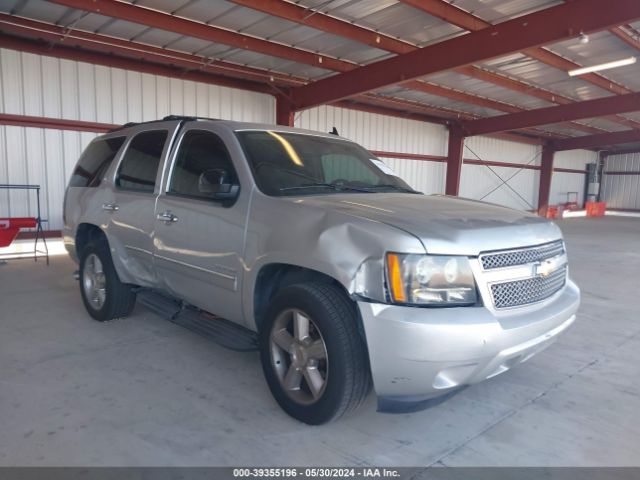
point(285, 40)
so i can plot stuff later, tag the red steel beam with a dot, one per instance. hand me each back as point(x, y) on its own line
point(203, 31)
point(512, 84)
point(284, 111)
point(106, 44)
point(596, 141)
point(55, 123)
point(388, 111)
point(369, 103)
point(416, 107)
point(556, 61)
point(621, 151)
point(327, 23)
point(440, 91)
point(156, 19)
point(440, 159)
point(437, 90)
point(463, 19)
point(109, 45)
point(299, 14)
point(81, 38)
point(561, 113)
point(454, 160)
point(546, 172)
point(625, 37)
point(43, 48)
point(449, 13)
point(546, 26)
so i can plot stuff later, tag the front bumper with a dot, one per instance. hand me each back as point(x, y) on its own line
point(417, 354)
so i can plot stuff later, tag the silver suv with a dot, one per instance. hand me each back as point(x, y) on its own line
point(307, 247)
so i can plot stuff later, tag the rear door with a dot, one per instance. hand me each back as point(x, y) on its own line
point(198, 240)
point(132, 204)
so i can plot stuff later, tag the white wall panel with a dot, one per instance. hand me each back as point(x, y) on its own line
point(482, 183)
point(496, 150)
point(45, 86)
point(390, 134)
point(485, 183)
point(563, 182)
point(622, 191)
point(427, 177)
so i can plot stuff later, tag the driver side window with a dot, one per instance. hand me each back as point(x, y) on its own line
point(200, 152)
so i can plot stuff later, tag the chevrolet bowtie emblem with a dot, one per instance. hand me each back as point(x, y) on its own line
point(544, 268)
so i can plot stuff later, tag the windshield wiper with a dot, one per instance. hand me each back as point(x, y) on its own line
point(333, 186)
point(395, 187)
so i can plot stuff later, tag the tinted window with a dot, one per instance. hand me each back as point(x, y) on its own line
point(339, 167)
point(199, 151)
point(95, 161)
point(286, 163)
point(139, 166)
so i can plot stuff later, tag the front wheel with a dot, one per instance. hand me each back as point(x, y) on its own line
point(313, 355)
point(105, 297)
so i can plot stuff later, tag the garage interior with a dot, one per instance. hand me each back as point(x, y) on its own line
point(481, 99)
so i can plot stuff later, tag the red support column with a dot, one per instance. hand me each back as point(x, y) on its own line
point(546, 171)
point(454, 160)
point(284, 111)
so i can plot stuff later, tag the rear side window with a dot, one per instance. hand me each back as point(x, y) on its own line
point(139, 165)
point(95, 161)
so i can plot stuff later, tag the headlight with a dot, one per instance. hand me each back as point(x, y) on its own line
point(435, 280)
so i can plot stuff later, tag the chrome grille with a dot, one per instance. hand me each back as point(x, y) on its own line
point(530, 290)
point(522, 256)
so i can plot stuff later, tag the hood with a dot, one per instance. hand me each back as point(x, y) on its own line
point(444, 225)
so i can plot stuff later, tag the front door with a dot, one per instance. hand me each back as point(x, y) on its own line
point(198, 241)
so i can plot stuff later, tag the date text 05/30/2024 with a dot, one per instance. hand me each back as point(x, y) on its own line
point(318, 472)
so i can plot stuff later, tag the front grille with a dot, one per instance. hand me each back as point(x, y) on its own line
point(530, 290)
point(521, 256)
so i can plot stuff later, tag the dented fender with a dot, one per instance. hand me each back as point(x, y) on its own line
point(347, 247)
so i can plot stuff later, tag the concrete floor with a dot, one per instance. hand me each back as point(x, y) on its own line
point(142, 391)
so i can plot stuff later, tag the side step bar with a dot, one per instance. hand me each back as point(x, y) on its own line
point(221, 331)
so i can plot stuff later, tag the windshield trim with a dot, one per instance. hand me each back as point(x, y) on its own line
point(296, 131)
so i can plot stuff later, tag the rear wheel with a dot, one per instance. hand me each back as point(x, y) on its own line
point(105, 297)
point(313, 356)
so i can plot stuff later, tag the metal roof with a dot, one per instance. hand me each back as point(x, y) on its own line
point(392, 18)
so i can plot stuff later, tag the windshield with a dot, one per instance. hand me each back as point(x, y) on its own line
point(298, 164)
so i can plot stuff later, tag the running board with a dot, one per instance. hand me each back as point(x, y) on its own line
point(223, 332)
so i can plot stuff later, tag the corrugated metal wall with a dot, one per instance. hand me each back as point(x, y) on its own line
point(622, 191)
point(390, 134)
point(50, 87)
point(485, 183)
point(379, 132)
point(562, 182)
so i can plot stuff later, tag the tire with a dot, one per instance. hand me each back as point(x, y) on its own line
point(293, 367)
point(104, 296)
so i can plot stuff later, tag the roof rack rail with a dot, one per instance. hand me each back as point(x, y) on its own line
point(186, 117)
point(167, 118)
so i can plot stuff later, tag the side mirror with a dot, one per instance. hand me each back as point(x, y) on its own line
point(217, 184)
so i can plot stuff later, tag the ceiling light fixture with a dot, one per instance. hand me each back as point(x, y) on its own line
point(602, 66)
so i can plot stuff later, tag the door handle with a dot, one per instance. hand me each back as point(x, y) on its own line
point(110, 207)
point(167, 217)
